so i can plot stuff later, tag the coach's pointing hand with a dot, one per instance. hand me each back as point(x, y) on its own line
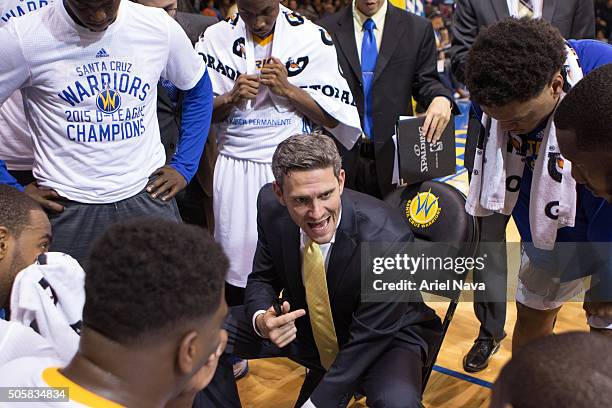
point(281, 329)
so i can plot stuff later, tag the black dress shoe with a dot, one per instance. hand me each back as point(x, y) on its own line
point(477, 359)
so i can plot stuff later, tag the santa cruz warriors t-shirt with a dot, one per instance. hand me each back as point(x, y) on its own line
point(90, 98)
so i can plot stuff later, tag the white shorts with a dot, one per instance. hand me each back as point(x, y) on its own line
point(236, 186)
point(536, 289)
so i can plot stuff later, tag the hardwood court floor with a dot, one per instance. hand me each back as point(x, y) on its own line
point(275, 383)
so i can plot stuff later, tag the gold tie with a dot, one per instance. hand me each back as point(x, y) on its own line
point(319, 309)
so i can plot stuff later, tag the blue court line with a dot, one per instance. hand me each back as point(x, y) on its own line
point(463, 170)
point(463, 376)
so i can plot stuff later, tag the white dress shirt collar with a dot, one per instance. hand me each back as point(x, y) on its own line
point(305, 239)
point(379, 17)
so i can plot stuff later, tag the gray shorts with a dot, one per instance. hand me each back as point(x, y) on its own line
point(79, 225)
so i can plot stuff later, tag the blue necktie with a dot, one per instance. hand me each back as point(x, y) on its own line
point(369, 55)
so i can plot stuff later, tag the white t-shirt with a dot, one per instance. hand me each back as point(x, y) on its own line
point(15, 137)
point(91, 98)
point(44, 373)
point(17, 341)
point(254, 132)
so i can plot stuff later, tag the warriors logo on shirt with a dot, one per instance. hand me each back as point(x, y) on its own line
point(296, 67)
point(108, 101)
point(294, 19)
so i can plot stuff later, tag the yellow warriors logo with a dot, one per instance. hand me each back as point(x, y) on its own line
point(423, 210)
point(108, 101)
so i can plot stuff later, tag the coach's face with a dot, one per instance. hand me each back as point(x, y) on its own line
point(95, 15)
point(312, 198)
point(259, 15)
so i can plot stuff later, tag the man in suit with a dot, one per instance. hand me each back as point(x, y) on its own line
point(195, 202)
point(310, 229)
point(384, 70)
point(574, 19)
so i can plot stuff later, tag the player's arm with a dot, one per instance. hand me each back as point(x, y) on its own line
point(14, 68)
point(274, 76)
point(6, 178)
point(186, 70)
point(14, 75)
point(195, 124)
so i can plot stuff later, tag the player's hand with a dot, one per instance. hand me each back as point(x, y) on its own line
point(44, 196)
point(167, 182)
point(599, 309)
point(245, 88)
point(274, 76)
point(436, 118)
point(281, 329)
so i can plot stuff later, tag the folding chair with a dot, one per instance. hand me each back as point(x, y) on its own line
point(452, 225)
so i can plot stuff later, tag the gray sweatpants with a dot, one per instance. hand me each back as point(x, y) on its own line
point(76, 228)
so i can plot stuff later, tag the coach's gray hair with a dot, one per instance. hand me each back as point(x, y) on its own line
point(305, 152)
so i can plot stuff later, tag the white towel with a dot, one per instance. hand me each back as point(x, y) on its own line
point(17, 341)
point(310, 57)
point(49, 297)
point(496, 180)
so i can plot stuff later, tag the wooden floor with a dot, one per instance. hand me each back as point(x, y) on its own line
point(275, 383)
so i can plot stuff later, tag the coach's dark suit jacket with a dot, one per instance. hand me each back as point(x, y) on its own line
point(574, 19)
point(406, 67)
point(364, 330)
point(169, 115)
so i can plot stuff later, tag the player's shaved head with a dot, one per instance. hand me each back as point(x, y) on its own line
point(566, 370)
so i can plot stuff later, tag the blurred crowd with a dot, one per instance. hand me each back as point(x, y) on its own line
point(438, 11)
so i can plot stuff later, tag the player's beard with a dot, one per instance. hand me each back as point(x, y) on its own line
point(17, 265)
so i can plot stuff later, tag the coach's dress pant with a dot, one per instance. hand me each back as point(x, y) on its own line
point(394, 380)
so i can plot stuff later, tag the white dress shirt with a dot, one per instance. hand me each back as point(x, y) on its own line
point(537, 8)
point(379, 19)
